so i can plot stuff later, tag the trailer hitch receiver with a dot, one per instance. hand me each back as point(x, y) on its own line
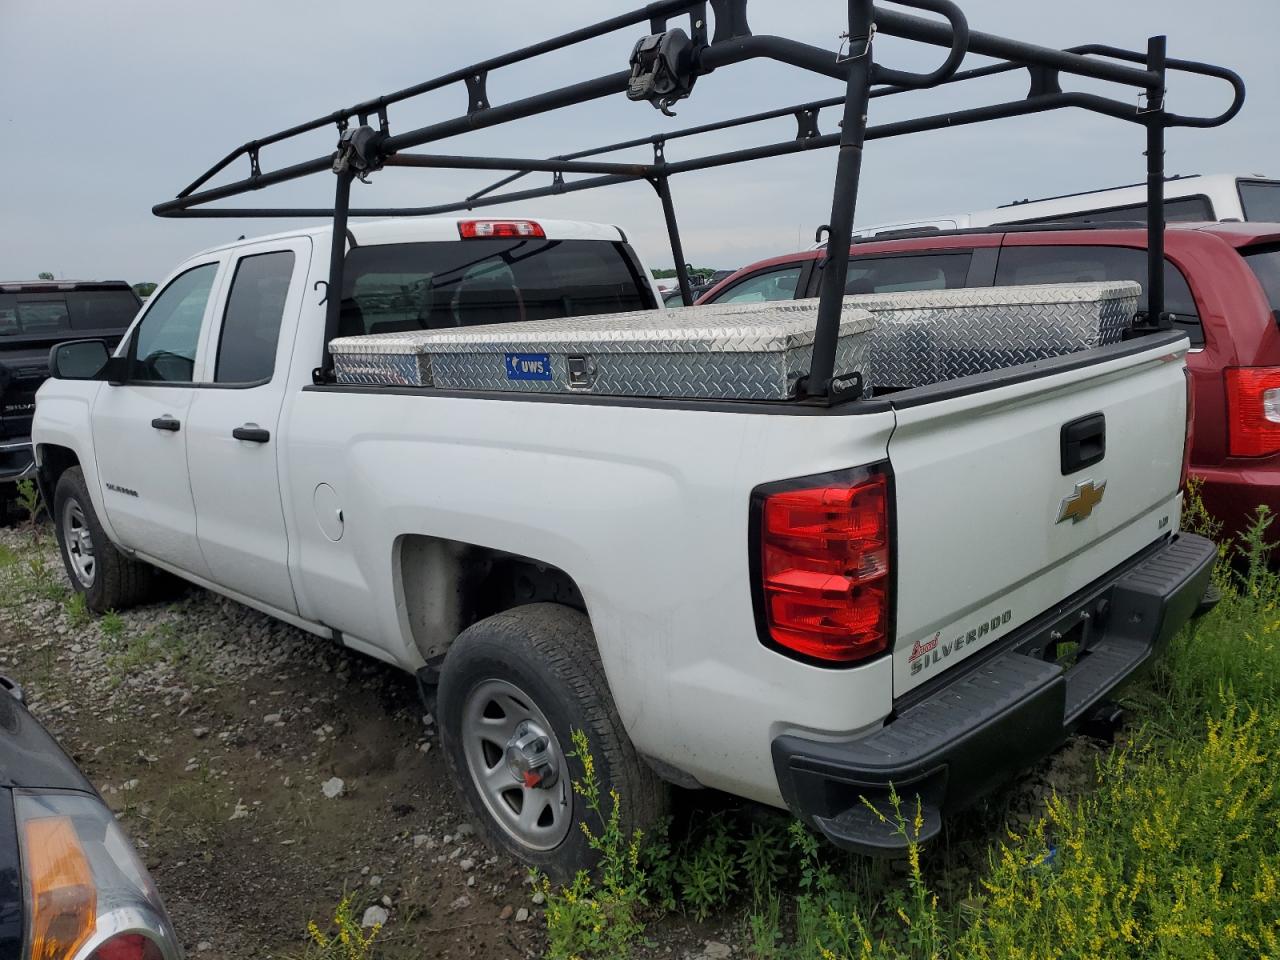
point(662, 69)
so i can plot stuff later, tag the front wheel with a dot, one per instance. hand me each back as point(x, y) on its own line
point(106, 577)
point(513, 689)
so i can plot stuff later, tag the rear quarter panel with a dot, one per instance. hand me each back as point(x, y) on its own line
point(646, 508)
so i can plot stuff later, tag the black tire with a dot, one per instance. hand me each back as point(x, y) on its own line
point(548, 651)
point(117, 582)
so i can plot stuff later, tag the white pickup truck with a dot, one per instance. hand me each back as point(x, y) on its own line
point(796, 603)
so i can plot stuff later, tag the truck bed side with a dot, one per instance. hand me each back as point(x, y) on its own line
point(645, 506)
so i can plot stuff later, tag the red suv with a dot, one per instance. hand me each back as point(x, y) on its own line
point(1222, 283)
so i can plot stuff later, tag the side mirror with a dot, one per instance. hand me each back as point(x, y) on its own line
point(83, 360)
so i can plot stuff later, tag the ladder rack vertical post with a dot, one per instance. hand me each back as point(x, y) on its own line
point(1155, 123)
point(845, 197)
point(673, 234)
point(337, 259)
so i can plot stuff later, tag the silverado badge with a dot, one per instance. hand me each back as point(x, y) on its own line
point(1080, 503)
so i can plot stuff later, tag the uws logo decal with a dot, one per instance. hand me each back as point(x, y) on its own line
point(528, 366)
point(924, 655)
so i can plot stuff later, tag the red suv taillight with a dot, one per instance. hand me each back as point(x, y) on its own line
point(824, 565)
point(1253, 411)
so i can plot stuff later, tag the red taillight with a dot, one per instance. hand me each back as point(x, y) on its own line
point(477, 229)
point(128, 946)
point(824, 567)
point(1253, 411)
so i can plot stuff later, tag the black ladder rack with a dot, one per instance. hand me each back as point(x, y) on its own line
point(664, 68)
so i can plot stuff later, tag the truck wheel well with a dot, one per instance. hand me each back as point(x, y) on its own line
point(447, 585)
point(54, 462)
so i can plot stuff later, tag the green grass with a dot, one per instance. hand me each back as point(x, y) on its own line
point(76, 610)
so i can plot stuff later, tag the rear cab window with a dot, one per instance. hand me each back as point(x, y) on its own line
point(1260, 200)
point(58, 312)
point(1065, 263)
point(1176, 210)
point(396, 287)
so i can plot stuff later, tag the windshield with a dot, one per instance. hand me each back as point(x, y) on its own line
point(1260, 200)
point(44, 314)
point(425, 286)
point(1265, 263)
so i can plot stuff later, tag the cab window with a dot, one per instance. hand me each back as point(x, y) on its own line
point(763, 287)
point(165, 343)
point(251, 324)
point(1176, 210)
point(895, 274)
point(33, 315)
point(1082, 264)
point(1260, 200)
point(1265, 264)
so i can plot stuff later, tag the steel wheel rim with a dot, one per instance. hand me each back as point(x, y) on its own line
point(78, 540)
point(537, 818)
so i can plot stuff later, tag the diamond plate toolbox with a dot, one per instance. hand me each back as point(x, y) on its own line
point(928, 336)
point(737, 351)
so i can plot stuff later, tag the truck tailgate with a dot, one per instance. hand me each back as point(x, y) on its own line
point(991, 529)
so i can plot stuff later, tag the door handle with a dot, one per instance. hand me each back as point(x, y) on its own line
point(166, 423)
point(251, 432)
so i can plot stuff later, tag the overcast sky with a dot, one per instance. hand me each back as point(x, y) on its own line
point(107, 108)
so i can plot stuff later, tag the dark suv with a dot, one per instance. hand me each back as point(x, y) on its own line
point(1222, 284)
point(34, 316)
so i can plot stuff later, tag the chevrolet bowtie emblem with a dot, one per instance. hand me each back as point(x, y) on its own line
point(1081, 502)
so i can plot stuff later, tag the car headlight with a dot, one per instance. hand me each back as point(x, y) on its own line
point(88, 896)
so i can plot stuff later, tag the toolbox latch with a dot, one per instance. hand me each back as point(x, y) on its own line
point(582, 372)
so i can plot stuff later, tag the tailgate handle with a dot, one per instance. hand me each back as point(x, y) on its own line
point(1084, 442)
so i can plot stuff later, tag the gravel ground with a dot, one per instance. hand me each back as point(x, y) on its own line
point(262, 772)
point(265, 774)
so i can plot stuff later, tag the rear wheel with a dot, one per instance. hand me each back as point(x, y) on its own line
point(513, 689)
point(108, 579)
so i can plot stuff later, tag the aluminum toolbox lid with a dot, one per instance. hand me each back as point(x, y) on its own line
point(1036, 294)
point(746, 328)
